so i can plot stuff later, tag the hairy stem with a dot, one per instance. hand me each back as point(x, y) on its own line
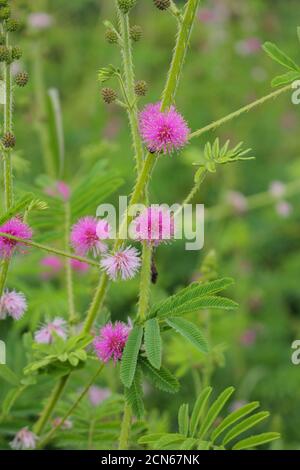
point(125, 427)
point(145, 281)
point(214, 125)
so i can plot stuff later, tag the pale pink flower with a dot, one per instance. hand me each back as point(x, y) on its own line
point(40, 20)
point(103, 229)
point(53, 265)
point(111, 341)
point(163, 131)
point(84, 236)
point(248, 46)
point(248, 338)
point(98, 394)
point(237, 201)
point(79, 266)
point(59, 189)
point(23, 440)
point(16, 228)
point(13, 304)
point(48, 332)
point(123, 263)
point(154, 225)
point(284, 209)
point(277, 189)
point(67, 424)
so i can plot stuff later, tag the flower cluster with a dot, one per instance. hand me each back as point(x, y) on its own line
point(111, 341)
point(88, 235)
point(12, 304)
point(16, 228)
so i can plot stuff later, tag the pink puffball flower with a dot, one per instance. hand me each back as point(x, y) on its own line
point(16, 228)
point(154, 225)
point(53, 265)
point(84, 237)
point(284, 209)
point(67, 424)
point(248, 338)
point(13, 304)
point(163, 131)
point(98, 394)
point(40, 20)
point(60, 189)
point(238, 202)
point(23, 440)
point(123, 263)
point(111, 341)
point(277, 189)
point(46, 334)
point(79, 266)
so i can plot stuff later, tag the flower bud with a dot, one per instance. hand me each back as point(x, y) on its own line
point(126, 5)
point(8, 140)
point(109, 95)
point(136, 33)
point(162, 4)
point(141, 88)
point(12, 25)
point(111, 36)
point(4, 13)
point(21, 79)
point(4, 54)
point(16, 53)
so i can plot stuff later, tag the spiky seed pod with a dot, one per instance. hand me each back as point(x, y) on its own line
point(4, 54)
point(126, 5)
point(111, 36)
point(21, 79)
point(136, 33)
point(16, 53)
point(4, 13)
point(162, 4)
point(12, 25)
point(109, 95)
point(8, 140)
point(141, 88)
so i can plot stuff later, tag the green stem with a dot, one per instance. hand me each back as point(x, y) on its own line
point(145, 281)
point(47, 412)
point(129, 82)
point(96, 303)
point(68, 268)
point(125, 428)
point(50, 249)
point(214, 125)
point(4, 271)
point(51, 433)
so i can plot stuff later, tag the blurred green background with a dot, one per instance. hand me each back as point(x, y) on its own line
point(260, 248)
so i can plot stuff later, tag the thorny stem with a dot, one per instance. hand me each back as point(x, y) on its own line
point(145, 281)
point(68, 268)
point(46, 439)
point(125, 427)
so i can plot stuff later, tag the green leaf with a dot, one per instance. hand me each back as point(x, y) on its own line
point(10, 399)
point(189, 444)
point(288, 77)
point(201, 303)
point(198, 409)
point(245, 425)
point(134, 395)
point(162, 379)
point(279, 56)
point(153, 342)
point(189, 331)
point(167, 440)
point(130, 355)
point(150, 438)
point(56, 132)
point(17, 208)
point(257, 440)
point(183, 419)
point(215, 410)
point(8, 375)
point(105, 73)
point(233, 417)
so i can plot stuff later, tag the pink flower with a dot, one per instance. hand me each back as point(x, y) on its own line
point(111, 341)
point(16, 228)
point(53, 265)
point(163, 131)
point(84, 236)
point(97, 395)
point(248, 46)
point(124, 263)
point(66, 425)
point(40, 20)
point(79, 266)
point(23, 440)
point(284, 209)
point(277, 189)
point(13, 304)
point(248, 338)
point(60, 189)
point(47, 333)
point(238, 202)
point(154, 225)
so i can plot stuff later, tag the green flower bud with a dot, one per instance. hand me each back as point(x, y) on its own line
point(12, 25)
point(4, 13)
point(109, 95)
point(8, 140)
point(4, 54)
point(136, 33)
point(126, 5)
point(162, 4)
point(21, 79)
point(111, 36)
point(16, 53)
point(141, 88)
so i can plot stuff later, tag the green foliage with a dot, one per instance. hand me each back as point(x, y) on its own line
point(56, 131)
point(130, 356)
point(161, 379)
point(190, 332)
point(134, 394)
point(283, 59)
point(106, 73)
point(153, 344)
point(198, 432)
